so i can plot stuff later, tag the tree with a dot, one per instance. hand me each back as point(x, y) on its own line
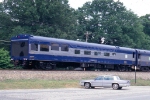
point(5, 59)
point(52, 18)
point(5, 28)
point(111, 20)
point(5, 21)
point(145, 21)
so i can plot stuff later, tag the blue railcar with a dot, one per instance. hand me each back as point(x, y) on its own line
point(143, 61)
point(51, 53)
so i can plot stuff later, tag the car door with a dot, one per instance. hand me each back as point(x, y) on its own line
point(98, 81)
point(107, 82)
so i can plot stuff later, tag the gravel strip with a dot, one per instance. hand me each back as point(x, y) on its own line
point(66, 75)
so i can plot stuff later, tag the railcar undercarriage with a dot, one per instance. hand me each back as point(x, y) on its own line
point(49, 65)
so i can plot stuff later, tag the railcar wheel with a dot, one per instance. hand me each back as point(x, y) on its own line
point(115, 86)
point(124, 68)
point(87, 85)
point(36, 67)
point(49, 67)
point(144, 69)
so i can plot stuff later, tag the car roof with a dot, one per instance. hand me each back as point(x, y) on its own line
point(107, 75)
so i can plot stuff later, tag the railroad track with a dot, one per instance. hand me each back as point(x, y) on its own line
point(66, 75)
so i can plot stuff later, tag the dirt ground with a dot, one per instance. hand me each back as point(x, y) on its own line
point(66, 75)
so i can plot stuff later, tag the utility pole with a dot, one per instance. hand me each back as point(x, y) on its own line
point(87, 35)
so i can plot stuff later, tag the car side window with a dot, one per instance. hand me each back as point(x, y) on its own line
point(108, 78)
point(99, 78)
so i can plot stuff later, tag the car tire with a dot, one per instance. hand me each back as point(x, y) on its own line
point(120, 88)
point(87, 85)
point(115, 86)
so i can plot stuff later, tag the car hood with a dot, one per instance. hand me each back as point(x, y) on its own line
point(87, 80)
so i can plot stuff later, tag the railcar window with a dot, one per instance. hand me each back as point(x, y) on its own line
point(106, 54)
point(133, 54)
point(76, 51)
point(64, 47)
point(44, 47)
point(55, 46)
point(114, 54)
point(87, 52)
point(34, 46)
point(97, 53)
point(126, 56)
point(139, 56)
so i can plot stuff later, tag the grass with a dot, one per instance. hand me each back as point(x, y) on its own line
point(38, 84)
point(140, 82)
point(17, 79)
point(50, 84)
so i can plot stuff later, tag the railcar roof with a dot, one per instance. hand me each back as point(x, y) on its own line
point(40, 38)
point(143, 51)
point(70, 41)
point(49, 39)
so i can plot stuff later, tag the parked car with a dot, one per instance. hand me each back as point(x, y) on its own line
point(105, 81)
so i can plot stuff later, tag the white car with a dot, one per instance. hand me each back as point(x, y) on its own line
point(105, 81)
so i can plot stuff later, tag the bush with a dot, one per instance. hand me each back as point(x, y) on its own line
point(5, 59)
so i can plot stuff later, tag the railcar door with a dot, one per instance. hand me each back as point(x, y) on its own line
point(133, 59)
point(19, 48)
point(137, 59)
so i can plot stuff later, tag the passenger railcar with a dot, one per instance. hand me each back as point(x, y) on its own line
point(51, 53)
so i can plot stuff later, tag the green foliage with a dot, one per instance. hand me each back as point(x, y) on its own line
point(52, 18)
point(5, 23)
point(55, 18)
point(44, 84)
point(111, 20)
point(38, 84)
point(5, 59)
point(145, 20)
point(140, 82)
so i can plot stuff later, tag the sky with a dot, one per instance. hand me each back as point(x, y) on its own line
point(139, 7)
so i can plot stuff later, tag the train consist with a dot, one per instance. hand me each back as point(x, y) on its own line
point(48, 53)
